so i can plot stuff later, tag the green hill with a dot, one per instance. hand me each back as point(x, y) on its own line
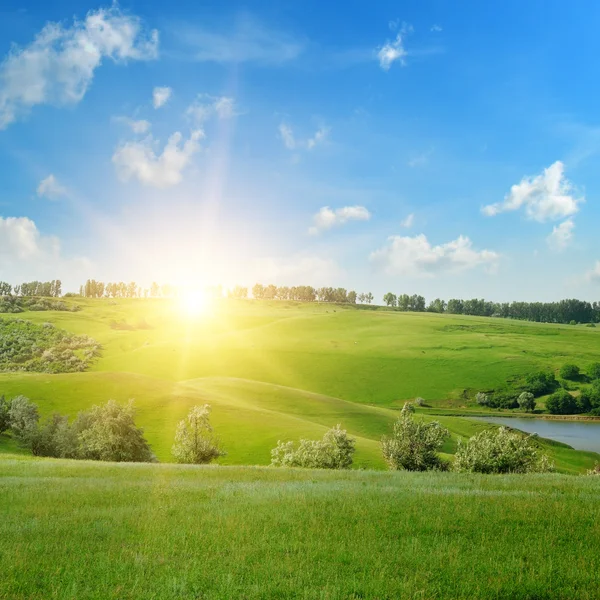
point(285, 370)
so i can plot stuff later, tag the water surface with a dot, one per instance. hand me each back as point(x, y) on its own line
point(581, 435)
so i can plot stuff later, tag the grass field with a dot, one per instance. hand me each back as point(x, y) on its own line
point(285, 370)
point(79, 530)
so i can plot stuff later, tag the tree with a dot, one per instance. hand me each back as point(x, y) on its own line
point(109, 432)
point(24, 418)
point(258, 291)
point(527, 401)
point(194, 441)
point(569, 371)
point(413, 445)
point(390, 299)
point(594, 370)
point(540, 383)
point(369, 298)
point(500, 451)
point(334, 451)
point(55, 438)
point(562, 403)
point(4, 414)
point(482, 399)
point(351, 297)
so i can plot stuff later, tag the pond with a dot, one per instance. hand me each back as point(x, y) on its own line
point(581, 435)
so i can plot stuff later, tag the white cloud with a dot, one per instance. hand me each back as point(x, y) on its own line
point(291, 143)
point(436, 28)
point(140, 126)
point(408, 221)
point(593, 274)
point(51, 188)
point(206, 106)
point(393, 51)
point(327, 218)
point(58, 66)
point(138, 160)
point(548, 196)
point(562, 235)
point(160, 96)
point(247, 41)
point(22, 240)
point(416, 256)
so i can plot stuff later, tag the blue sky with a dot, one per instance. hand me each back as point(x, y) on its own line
point(415, 147)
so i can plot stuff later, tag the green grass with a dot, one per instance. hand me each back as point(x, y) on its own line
point(283, 370)
point(79, 530)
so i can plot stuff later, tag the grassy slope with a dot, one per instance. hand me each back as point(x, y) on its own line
point(100, 531)
point(285, 370)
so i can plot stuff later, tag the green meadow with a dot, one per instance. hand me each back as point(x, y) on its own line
point(285, 370)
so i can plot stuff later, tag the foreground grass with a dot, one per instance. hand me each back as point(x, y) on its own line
point(73, 530)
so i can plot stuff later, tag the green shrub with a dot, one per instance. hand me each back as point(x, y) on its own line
point(413, 445)
point(4, 414)
point(569, 371)
point(334, 451)
point(594, 370)
point(527, 401)
point(420, 401)
point(572, 322)
point(500, 451)
point(562, 403)
point(109, 433)
point(24, 417)
point(540, 383)
point(55, 438)
point(194, 442)
point(482, 399)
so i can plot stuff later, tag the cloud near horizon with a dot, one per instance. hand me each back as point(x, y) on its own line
point(405, 255)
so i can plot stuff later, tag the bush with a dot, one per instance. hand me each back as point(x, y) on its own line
point(562, 403)
point(109, 433)
point(589, 399)
point(500, 451)
point(194, 442)
point(24, 417)
point(569, 371)
point(572, 322)
point(4, 416)
point(420, 401)
point(482, 399)
point(334, 451)
point(413, 445)
point(527, 401)
point(540, 383)
point(594, 370)
point(55, 438)
point(595, 470)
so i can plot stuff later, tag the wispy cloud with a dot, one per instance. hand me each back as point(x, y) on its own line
point(420, 160)
point(247, 40)
point(290, 141)
point(327, 218)
point(160, 96)
point(58, 66)
point(561, 236)
point(436, 28)
point(394, 50)
point(51, 188)
point(404, 255)
point(545, 197)
point(408, 222)
point(206, 106)
point(138, 160)
point(593, 274)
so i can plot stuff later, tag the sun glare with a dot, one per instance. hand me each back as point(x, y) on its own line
point(194, 303)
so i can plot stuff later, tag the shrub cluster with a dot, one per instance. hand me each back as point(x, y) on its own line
point(18, 304)
point(26, 346)
point(194, 440)
point(334, 451)
point(106, 432)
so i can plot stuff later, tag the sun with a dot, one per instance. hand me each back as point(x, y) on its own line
point(194, 303)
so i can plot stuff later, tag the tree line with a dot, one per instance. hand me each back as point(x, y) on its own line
point(563, 311)
point(48, 289)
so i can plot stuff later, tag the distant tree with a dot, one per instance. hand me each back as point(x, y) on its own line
point(569, 371)
point(334, 451)
point(4, 414)
point(369, 298)
point(390, 299)
point(455, 307)
point(5, 288)
point(352, 297)
point(238, 292)
point(594, 370)
point(562, 403)
point(500, 451)
point(109, 432)
point(527, 401)
point(361, 297)
point(24, 417)
point(541, 382)
point(258, 291)
point(482, 399)
point(437, 306)
point(194, 440)
point(55, 438)
point(413, 444)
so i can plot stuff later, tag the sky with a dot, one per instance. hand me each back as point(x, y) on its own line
point(440, 148)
